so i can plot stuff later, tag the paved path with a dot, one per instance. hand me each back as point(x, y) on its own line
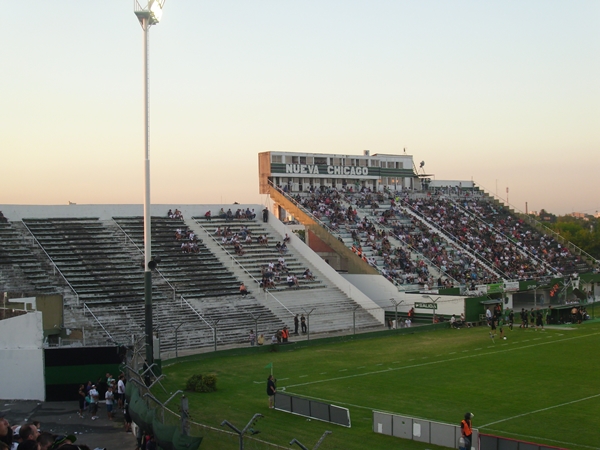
point(61, 418)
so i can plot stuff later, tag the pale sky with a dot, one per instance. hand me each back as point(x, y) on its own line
point(506, 93)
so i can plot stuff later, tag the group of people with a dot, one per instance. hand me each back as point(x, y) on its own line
point(29, 436)
point(240, 214)
point(175, 214)
point(89, 397)
point(469, 239)
point(190, 240)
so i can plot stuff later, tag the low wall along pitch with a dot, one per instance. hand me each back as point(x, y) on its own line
point(313, 409)
point(421, 430)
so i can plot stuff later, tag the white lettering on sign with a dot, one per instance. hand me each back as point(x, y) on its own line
point(302, 168)
point(313, 169)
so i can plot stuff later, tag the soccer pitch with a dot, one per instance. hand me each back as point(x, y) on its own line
point(539, 386)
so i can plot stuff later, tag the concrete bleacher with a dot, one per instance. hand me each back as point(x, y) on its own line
point(91, 259)
point(532, 253)
point(257, 256)
point(194, 274)
point(100, 257)
point(334, 311)
point(22, 267)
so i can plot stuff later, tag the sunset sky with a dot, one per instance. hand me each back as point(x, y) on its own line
point(506, 93)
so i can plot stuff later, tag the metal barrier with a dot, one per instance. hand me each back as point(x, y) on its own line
point(313, 409)
point(491, 442)
point(421, 430)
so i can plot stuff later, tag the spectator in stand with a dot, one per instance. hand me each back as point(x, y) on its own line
point(308, 275)
point(243, 290)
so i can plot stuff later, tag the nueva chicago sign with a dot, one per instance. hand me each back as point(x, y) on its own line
point(313, 169)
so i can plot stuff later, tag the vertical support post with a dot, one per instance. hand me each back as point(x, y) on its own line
point(147, 229)
point(185, 425)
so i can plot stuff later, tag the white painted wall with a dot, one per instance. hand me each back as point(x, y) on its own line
point(376, 287)
point(332, 275)
point(22, 358)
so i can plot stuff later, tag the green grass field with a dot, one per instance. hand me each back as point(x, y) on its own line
point(539, 386)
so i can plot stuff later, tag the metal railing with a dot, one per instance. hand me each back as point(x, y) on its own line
point(488, 265)
point(183, 300)
point(416, 251)
point(508, 238)
point(537, 224)
point(334, 232)
point(157, 270)
point(52, 262)
point(234, 259)
point(85, 307)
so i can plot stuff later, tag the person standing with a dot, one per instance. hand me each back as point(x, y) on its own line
point(296, 324)
point(93, 394)
point(303, 323)
point(81, 398)
point(121, 391)
point(488, 316)
point(252, 338)
point(511, 319)
point(539, 319)
point(271, 391)
point(109, 397)
point(466, 429)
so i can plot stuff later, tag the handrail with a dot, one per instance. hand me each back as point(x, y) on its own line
point(508, 238)
point(51, 261)
point(452, 240)
point(336, 232)
point(197, 313)
point(547, 230)
point(85, 306)
point(416, 250)
point(240, 264)
point(142, 252)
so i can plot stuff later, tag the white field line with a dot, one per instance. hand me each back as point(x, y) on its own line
point(544, 439)
point(539, 410)
point(534, 438)
point(412, 366)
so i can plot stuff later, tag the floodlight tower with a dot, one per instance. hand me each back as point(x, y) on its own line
point(148, 16)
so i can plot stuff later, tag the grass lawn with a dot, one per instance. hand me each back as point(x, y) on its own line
point(540, 386)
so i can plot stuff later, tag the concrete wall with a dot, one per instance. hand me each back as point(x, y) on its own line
point(376, 287)
point(332, 275)
point(106, 212)
point(420, 430)
point(22, 358)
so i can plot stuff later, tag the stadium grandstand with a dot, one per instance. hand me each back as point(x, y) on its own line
point(353, 243)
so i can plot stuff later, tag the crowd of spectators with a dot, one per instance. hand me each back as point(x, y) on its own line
point(504, 241)
point(468, 238)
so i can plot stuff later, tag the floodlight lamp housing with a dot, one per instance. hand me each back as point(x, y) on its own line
point(152, 13)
